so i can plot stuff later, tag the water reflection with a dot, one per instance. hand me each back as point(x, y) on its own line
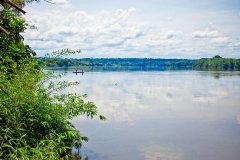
point(162, 115)
point(219, 74)
point(156, 152)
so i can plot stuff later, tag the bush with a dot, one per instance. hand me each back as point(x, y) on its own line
point(34, 119)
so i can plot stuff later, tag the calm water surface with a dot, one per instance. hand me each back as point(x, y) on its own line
point(161, 115)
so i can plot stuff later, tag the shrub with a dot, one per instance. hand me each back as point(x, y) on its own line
point(34, 119)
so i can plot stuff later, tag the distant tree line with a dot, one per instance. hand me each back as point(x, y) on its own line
point(217, 63)
point(115, 62)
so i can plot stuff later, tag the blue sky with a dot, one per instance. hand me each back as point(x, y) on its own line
point(136, 28)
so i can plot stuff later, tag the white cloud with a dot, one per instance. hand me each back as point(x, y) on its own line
point(170, 18)
point(220, 40)
point(80, 28)
point(206, 33)
point(124, 14)
point(237, 44)
point(214, 41)
point(171, 34)
point(116, 33)
point(61, 2)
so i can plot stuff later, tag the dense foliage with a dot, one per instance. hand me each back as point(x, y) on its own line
point(217, 63)
point(12, 46)
point(34, 117)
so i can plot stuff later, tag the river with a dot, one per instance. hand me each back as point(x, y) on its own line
point(161, 115)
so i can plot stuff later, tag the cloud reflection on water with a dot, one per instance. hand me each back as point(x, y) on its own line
point(156, 152)
point(171, 94)
point(189, 110)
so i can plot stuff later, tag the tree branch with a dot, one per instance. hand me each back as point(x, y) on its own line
point(14, 5)
point(49, 1)
point(4, 31)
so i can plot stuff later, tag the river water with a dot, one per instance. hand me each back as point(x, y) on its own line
point(161, 115)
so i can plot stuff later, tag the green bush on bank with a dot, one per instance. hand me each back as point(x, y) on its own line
point(34, 118)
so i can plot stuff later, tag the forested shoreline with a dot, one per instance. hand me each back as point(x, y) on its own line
point(215, 63)
point(113, 62)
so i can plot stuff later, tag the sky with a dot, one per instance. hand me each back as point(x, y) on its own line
point(136, 28)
